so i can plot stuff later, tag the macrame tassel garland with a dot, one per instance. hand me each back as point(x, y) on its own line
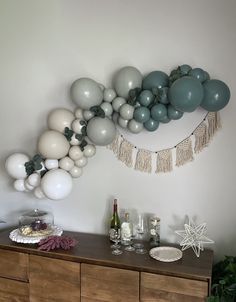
point(126, 153)
point(143, 161)
point(214, 123)
point(201, 137)
point(164, 161)
point(114, 146)
point(184, 152)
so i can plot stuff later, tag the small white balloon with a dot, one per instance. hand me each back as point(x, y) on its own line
point(34, 180)
point(38, 193)
point(79, 113)
point(56, 184)
point(135, 127)
point(19, 185)
point(15, 165)
point(76, 172)
point(122, 122)
point(126, 111)
point(117, 103)
point(66, 163)
point(82, 162)
point(87, 115)
point(51, 164)
point(76, 126)
point(109, 94)
point(107, 108)
point(75, 153)
point(74, 141)
point(59, 119)
point(89, 150)
point(28, 187)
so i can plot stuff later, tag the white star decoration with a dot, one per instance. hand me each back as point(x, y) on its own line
point(194, 237)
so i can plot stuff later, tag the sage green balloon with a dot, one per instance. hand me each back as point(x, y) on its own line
point(158, 111)
point(156, 79)
point(101, 131)
point(151, 125)
point(126, 111)
point(141, 114)
point(165, 119)
point(173, 113)
point(186, 94)
point(184, 69)
point(127, 78)
point(216, 95)
point(135, 127)
point(199, 74)
point(122, 122)
point(145, 98)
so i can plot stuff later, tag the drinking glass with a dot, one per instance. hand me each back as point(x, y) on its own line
point(140, 231)
point(116, 246)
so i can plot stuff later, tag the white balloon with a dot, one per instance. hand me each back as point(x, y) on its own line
point(87, 114)
point(75, 153)
point(66, 163)
point(89, 150)
point(82, 162)
point(34, 180)
point(74, 141)
point(19, 185)
point(76, 172)
point(28, 187)
point(109, 94)
point(51, 164)
point(117, 103)
point(107, 108)
point(79, 113)
point(53, 144)
point(122, 122)
point(59, 119)
point(39, 193)
point(76, 126)
point(126, 111)
point(15, 165)
point(56, 184)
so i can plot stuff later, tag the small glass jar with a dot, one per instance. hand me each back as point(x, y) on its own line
point(36, 223)
point(154, 231)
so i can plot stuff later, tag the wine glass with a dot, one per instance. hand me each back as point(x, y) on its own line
point(116, 246)
point(140, 230)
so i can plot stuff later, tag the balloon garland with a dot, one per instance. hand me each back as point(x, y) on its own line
point(135, 103)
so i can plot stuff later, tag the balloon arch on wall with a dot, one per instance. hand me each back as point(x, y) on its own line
point(135, 103)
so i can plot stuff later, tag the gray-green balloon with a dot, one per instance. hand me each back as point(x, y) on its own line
point(145, 98)
point(127, 78)
point(101, 131)
point(117, 103)
point(86, 93)
point(126, 111)
point(122, 122)
point(173, 113)
point(135, 127)
point(158, 112)
point(165, 119)
point(151, 125)
point(141, 114)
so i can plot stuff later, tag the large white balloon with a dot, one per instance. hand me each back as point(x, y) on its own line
point(59, 119)
point(66, 163)
point(86, 93)
point(19, 185)
point(101, 131)
point(15, 165)
point(53, 144)
point(56, 184)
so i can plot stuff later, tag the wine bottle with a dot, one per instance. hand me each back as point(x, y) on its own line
point(115, 223)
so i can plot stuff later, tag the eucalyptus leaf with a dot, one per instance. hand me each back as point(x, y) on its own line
point(83, 144)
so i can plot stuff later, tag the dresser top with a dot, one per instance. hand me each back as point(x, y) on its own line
point(95, 249)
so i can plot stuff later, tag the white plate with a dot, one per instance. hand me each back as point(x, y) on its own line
point(166, 253)
point(16, 236)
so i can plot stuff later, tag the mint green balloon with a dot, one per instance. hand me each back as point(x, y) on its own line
point(141, 114)
point(145, 98)
point(158, 112)
point(156, 79)
point(151, 125)
point(173, 113)
point(186, 94)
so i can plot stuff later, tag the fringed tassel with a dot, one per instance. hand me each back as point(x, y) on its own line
point(114, 146)
point(201, 137)
point(144, 161)
point(214, 123)
point(125, 153)
point(164, 161)
point(184, 152)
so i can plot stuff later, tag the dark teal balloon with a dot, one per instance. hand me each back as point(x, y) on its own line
point(184, 69)
point(145, 98)
point(199, 74)
point(173, 113)
point(164, 95)
point(141, 114)
point(207, 76)
point(151, 125)
point(216, 95)
point(157, 79)
point(186, 94)
point(165, 119)
point(158, 112)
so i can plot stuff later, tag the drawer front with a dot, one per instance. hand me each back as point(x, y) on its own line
point(99, 283)
point(53, 280)
point(13, 291)
point(166, 288)
point(13, 265)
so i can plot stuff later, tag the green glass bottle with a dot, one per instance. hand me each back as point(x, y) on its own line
point(115, 223)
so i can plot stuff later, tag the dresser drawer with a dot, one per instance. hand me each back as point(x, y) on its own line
point(13, 265)
point(13, 291)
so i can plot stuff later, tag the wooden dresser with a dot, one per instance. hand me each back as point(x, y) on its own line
point(90, 273)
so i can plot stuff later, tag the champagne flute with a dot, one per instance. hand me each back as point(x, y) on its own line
point(140, 230)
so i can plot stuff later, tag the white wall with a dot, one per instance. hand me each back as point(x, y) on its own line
point(45, 45)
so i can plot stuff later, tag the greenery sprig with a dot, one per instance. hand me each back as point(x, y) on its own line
point(98, 111)
point(133, 96)
point(34, 164)
point(79, 136)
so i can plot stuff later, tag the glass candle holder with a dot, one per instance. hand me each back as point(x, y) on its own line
point(154, 231)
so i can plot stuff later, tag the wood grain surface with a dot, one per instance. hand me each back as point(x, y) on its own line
point(13, 291)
